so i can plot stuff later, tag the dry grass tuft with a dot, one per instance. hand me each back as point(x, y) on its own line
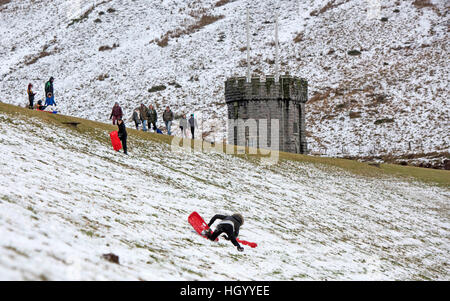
point(203, 21)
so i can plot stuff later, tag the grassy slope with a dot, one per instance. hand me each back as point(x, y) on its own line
point(429, 176)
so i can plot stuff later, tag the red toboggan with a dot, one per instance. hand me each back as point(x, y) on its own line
point(117, 145)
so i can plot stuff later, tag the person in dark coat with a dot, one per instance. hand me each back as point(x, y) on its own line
point(192, 124)
point(136, 118)
point(50, 96)
point(229, 225)
point(116, 113)
point(152, 117)
point(168, 118)
point(31, 95)
point(143, 115)
point(122, 133)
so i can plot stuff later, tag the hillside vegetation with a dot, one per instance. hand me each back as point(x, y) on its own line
point(377, 74)
point(67, 198)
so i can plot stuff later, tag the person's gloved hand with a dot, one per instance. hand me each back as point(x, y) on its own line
point(240, 249)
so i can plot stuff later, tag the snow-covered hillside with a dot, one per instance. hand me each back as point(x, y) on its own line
point(377, 70)
point(66, 198)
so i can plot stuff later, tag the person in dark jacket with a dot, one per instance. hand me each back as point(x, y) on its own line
point(31, 95)
point(152, 117)
point(168, 118)
point(143, 115)
point(229, 225)
point(116, 113)
point(122, 134)
point(39, 106)
point(136, 118)
point(192, 124)
point(50, 96)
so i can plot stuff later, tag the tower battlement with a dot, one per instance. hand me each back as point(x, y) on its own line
point(288, 87)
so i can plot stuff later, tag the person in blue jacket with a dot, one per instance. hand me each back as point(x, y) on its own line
point(50, 97)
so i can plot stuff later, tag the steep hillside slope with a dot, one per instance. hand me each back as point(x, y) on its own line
point(378, 74)
point(66, 198)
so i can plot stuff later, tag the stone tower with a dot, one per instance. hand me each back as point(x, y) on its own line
point(255, 100)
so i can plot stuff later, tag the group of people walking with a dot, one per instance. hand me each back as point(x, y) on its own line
point(49, 96)
point(148, 117)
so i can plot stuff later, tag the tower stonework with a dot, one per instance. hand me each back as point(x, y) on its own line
point(250, 103)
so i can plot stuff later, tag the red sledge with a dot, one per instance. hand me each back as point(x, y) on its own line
point(199, 225)
point(117, 145)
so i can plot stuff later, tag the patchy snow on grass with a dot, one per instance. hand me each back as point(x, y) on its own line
point(401, 73)
point(66, 198)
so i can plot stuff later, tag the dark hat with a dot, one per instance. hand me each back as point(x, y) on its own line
point(239, 218)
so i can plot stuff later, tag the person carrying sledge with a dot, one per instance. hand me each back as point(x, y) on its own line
point(229, 225)
point(122, 133)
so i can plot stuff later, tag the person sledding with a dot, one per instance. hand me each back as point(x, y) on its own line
point(229, 225)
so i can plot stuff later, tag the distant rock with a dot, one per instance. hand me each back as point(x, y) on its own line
point(354, 52)
point(384, 120)
point(111, 257)
point(157, 88)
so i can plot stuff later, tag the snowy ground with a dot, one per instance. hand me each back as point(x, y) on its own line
point(401, 74)
point(66, 199)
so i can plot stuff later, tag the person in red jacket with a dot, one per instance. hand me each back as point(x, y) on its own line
point(116, 113)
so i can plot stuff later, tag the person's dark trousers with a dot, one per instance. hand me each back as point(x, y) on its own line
point(152, 123)
point(124, 144)
point(31, 104)
point(137, 125)
point(192, 132)
point(224, 228)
